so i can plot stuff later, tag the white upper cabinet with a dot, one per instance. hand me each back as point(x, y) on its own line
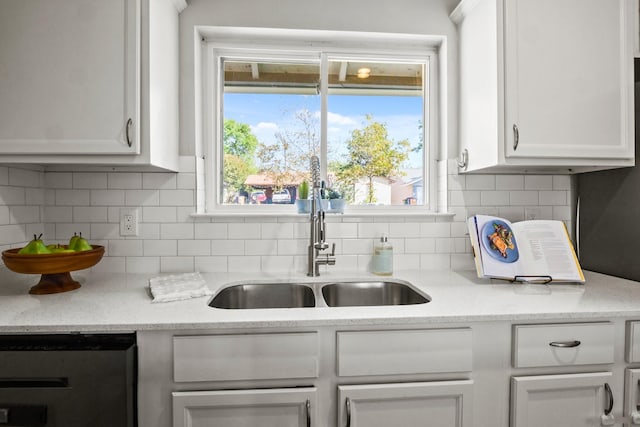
point(546, 85)
point(74, 75)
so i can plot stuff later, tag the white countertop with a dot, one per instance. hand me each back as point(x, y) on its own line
point(122, 302)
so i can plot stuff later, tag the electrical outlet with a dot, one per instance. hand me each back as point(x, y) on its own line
point(129, 222)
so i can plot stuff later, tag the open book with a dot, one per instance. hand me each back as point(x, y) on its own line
point(536, 250)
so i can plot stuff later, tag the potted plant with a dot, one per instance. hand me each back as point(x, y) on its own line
point(303, 203)
point(336, 202)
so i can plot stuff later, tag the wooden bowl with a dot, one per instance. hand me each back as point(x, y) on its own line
point(55, 268)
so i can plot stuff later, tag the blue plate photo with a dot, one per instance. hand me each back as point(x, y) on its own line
point(499, 241)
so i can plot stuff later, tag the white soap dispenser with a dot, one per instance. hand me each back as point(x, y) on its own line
point(383, 257)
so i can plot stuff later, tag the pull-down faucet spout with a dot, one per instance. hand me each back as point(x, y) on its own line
point(317, 226)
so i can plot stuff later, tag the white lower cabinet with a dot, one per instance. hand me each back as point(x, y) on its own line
point(235, 408)
point(436, 403)
point(567, 400)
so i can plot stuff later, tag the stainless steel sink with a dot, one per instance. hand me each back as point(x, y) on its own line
point(264, 295)
point(371, 293)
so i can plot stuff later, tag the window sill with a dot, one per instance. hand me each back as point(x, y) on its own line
point(348, 214)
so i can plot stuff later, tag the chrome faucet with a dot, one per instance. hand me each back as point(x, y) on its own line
point(318, 226)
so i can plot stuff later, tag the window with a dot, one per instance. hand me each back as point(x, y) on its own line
point(364, 103)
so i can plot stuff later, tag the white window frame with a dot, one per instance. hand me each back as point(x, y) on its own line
point(322, 46)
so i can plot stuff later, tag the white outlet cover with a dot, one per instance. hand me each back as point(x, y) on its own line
point(129, 228)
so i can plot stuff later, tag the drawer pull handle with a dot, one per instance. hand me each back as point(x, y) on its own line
point(128, 130)
point(565, 344)
point(308, 413)
point(348, 405)
point(609, 393)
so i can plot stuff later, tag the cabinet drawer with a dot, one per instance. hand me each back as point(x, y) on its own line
point(633, 342)
point(562, 344)
point(245, 357)
point(404, 352)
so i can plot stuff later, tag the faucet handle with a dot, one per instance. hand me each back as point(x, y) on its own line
point(333, 249)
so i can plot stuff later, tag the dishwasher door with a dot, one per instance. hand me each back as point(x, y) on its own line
point(68, 380)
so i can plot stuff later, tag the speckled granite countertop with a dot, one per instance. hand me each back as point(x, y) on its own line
point(122, 302)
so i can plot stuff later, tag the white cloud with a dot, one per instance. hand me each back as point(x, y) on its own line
point(339, 119)
point(265, 126)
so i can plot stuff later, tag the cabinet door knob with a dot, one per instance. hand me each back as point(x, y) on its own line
point(128, 129)
point(463, 161)
point(516, 137)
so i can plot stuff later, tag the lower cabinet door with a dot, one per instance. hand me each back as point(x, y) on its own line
point(437, 403)
point(571, 400)
point(278, 407)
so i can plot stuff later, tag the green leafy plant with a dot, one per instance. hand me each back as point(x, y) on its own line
point(333, 194)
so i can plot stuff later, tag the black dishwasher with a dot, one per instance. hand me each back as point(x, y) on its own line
point(68, 380)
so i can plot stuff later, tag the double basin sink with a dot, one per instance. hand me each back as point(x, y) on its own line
point(253, 295)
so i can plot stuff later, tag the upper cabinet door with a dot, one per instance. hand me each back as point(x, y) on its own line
point(69, 77)
point(568, 78)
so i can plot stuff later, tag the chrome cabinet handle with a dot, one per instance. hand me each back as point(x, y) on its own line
point(516, 137)
point(609, 393)
point(348, 405)
point(128, 129)
point(565, 344)
point(308, 413)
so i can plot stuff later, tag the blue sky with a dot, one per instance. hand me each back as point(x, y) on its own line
point(266, 113)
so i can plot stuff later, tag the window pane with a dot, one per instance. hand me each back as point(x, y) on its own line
point(271, 128)
point(375, 132)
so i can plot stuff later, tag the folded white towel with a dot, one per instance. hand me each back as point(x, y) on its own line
point(176, 287)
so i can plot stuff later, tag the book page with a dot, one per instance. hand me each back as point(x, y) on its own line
point(545, 249)
point(498, 247)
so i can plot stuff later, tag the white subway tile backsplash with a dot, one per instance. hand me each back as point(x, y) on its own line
point(436, 229)
point(34, 196)
point(124, 181)
point(24, 214)
point(159, 214)
point(111, 264)
point(126, 248)
point(107, 197)
point(143, 264)
point(25, 178)
point(4, 175)
point(176, 264)
point(58, 180)
point(159, 181)
point(372, 230)
point(553, 197)
point(480, 182)
point(14, 233)
point(72, 197)
point(522, 198)
point(509, 182)
point(12, 196)
point(493, 198)
point(211, 264)
point(177, 198)
point(90, 214)
point(227, 247)
point(176, 231)
point(538, 182)
point(160, 247)
point(141, 198)
point(244, 230)
point(90, 180)
point(193, 247)
point(170, 239)
point(250, 264)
